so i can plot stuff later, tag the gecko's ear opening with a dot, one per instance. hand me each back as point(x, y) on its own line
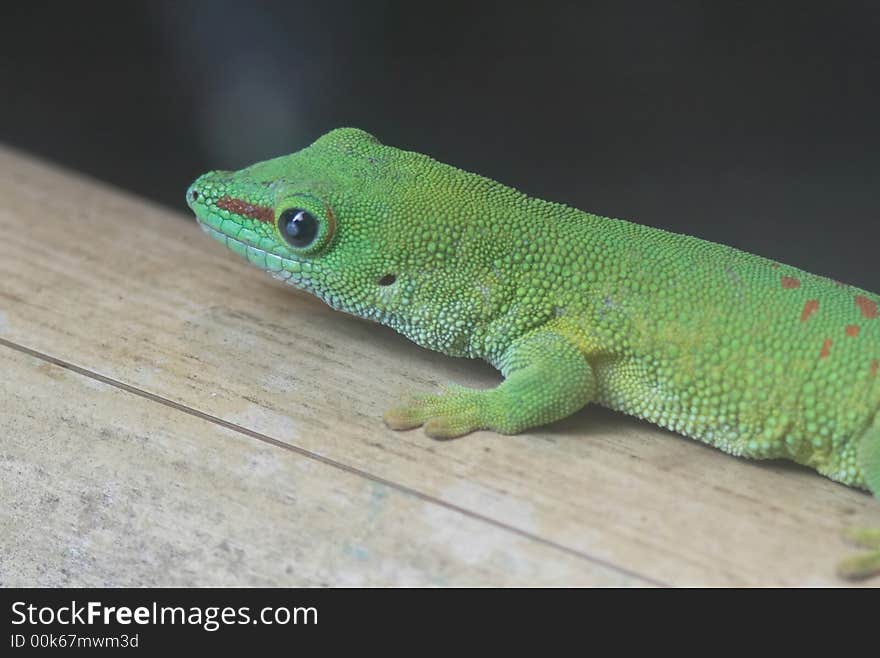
point(387, 280)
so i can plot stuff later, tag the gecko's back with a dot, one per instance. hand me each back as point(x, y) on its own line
point(760, 359)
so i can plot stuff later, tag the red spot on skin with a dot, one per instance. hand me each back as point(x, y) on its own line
point(875, 366)
point(826, 349)
point(852, 330)
point(867, 307)
point(810, 307)
point(790, 283)
point(245, 209)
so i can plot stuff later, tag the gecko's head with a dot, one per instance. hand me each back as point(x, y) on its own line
point(312, 218)
point(370, 229)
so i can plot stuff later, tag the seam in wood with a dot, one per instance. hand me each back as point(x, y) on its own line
point(240, 429)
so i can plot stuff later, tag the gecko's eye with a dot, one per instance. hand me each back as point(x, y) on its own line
point(299, 227)
point(306, 223)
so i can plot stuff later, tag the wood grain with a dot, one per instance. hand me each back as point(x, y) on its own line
point(104, 488)
point(136, 293)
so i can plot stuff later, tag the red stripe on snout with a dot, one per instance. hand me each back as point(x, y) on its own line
point(245, 209)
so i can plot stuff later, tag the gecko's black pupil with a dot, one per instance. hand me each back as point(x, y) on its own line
point(299, 227)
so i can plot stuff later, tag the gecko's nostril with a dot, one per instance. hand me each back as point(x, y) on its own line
point(192, 195)
point(387, 280)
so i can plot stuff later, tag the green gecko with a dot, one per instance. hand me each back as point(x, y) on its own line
point(756, 358)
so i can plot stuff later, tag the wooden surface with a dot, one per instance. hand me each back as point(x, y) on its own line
point(170, 415)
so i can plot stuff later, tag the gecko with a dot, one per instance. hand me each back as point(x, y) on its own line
point(757, 358)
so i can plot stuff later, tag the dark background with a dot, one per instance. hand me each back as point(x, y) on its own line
point(751, 124)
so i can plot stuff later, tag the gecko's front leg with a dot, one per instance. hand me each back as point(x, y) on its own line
point(545, 378)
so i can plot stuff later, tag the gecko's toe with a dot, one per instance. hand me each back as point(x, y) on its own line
point(402, 418)
point(455, 412)
point(450, 427)
point(864, 537)
point(413, 411)
point(863, 565)
point(860, 567)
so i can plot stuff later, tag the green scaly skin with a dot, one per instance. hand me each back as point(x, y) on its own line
point(758, 359)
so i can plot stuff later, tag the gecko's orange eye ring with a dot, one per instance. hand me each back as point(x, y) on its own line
point(305, 223)
point(299, 227)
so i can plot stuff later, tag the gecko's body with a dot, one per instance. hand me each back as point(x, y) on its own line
point(759, 359)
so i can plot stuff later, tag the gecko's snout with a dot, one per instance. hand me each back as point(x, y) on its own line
point(195, 192)
point(209, 181)
point(192, 194)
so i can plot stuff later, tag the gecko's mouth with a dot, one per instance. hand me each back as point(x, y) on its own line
point(285, 269)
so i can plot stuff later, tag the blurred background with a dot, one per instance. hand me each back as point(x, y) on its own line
point(751, 124)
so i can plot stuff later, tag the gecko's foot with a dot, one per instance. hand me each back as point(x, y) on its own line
point(546, 377)
point(455, 412)
point(863, 565)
